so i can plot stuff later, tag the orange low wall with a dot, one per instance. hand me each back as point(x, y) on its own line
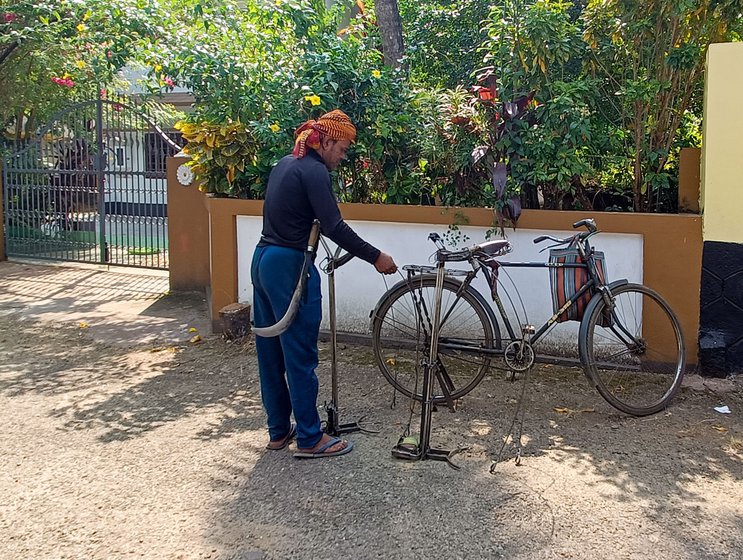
point(672, 246)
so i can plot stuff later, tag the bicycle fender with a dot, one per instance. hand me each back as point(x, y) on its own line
point(595, 300)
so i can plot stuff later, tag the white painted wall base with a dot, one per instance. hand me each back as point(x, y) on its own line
point(359, 286)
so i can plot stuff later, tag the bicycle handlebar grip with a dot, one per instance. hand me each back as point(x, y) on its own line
point(541, 238)
point(314, 237)
point(588, 222)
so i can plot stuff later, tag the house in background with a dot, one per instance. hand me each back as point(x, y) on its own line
point(90, 186)
point(137, 153)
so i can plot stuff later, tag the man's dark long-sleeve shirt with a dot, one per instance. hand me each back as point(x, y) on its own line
point(299, 191)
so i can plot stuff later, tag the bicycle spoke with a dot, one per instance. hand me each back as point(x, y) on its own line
point(401, 336)
point(637, 369)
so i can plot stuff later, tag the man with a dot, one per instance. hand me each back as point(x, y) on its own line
point(299, 191)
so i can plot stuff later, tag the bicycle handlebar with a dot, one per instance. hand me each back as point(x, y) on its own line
point(338, 262)
point(590, 224)
point(445, 255)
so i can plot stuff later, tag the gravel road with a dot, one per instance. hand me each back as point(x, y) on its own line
point(155, 449)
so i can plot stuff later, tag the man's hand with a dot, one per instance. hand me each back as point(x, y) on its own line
point(385, 264)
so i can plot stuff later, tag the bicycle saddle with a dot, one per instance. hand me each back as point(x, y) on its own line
point(493, 248)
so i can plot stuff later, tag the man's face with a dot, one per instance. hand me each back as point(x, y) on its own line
point(334, 152)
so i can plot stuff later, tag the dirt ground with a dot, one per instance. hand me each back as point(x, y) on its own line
point(153, 447)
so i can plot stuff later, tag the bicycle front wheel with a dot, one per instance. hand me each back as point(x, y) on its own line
point(401, 337)
point(633, 351)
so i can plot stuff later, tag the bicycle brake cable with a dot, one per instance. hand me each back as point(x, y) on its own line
point(510, 299)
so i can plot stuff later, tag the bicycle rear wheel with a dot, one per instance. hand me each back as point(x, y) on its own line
point(401, 336)
point(634, 352)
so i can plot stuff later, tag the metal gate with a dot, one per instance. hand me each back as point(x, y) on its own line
point(91, 187)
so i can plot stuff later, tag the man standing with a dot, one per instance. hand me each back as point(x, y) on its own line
point(299, 191)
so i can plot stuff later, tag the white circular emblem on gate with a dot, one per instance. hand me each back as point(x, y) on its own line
point(184, 174)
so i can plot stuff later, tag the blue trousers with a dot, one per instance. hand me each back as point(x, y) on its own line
point(287, 362)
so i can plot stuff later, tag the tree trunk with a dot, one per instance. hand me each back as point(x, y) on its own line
point(390, 28)
point(8, 50)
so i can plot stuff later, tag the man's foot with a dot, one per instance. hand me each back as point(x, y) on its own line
point(276, 445)
point(327, 447)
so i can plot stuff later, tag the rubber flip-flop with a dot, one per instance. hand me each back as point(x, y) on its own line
point(323, 451)
point(285, 441)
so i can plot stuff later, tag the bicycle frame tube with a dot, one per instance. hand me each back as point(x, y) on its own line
point(442, 343)
point(593, 282)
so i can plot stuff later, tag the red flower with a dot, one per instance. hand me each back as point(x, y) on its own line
point(460, 120)
point(485, 94)
point(9, 17)
point(169, 82)
point(66, 82)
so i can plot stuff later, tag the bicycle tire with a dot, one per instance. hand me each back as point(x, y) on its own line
point(401, 337)
point(638, 375)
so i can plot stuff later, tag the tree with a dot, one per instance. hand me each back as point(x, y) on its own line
point(442, 39)
point(649, 56)
point(258, 72)
point(390, 28)
point(535, 49)
point(56, 52)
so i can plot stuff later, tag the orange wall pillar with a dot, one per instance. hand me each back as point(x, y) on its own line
point(188, 232)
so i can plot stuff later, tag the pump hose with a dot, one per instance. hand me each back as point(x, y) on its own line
point(286, 321)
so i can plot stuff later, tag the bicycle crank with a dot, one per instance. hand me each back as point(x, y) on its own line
point(519, 356)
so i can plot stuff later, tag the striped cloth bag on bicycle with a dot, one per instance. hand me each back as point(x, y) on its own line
point(566, 281)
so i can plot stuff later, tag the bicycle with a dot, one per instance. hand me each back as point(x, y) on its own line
point(630, 342)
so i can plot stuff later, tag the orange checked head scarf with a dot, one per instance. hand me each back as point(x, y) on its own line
point(335, 125)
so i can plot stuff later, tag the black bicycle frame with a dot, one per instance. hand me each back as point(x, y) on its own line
point(593, 282)
point(575, 297)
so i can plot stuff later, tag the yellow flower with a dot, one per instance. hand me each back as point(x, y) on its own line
point(158, 67)
point(275, 127)
point(376, 73)
point(314, 99)
point(80, 64)
point(81, 27)
point(87, 15)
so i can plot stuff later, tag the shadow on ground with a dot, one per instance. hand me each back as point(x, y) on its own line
point(186, 417)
